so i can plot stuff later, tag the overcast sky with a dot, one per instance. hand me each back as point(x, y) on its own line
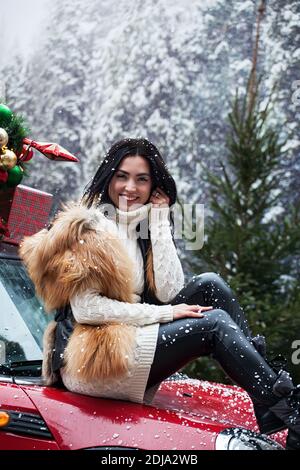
point(20, 22)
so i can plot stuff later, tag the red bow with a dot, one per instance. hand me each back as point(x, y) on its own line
point(51, 150)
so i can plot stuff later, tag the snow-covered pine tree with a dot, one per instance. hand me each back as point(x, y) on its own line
point(281, 37)
point(165, 72)
point(105, 69)
point(248, 240)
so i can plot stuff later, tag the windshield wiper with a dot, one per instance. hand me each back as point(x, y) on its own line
point(22, 368)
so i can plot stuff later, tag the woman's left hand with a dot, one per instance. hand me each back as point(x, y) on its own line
point(159, 199)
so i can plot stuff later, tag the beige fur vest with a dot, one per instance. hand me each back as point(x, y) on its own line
point(79, 252)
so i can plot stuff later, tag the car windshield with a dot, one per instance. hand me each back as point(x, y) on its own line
point(22, 319)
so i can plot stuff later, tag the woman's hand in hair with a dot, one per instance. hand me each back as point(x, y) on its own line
point(159, 199)
point(187, 311)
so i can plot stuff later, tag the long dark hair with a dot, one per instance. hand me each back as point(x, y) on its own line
point(96, 192)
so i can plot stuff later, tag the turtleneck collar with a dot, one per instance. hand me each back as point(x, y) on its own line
point(133, 218)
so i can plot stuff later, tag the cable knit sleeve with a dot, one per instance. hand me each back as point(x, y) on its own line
point(168, 273)
point(94, 309)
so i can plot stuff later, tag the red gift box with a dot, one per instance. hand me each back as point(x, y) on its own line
point(25, 210)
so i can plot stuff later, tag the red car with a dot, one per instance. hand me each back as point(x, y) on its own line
point(186, 413)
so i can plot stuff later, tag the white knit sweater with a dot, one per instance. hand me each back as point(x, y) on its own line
point(94, 309)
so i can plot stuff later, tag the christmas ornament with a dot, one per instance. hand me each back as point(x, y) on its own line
point(26, 154)
point(8, 160)
point(3, 137)
point(15, 176)
point(3, 176)
point(51, 150)
point(5, 114)
point(16, 149)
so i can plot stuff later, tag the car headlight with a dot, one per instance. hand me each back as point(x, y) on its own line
point(243, 439)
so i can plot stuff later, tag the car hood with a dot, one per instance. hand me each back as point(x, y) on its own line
point(185, 414)
point(208, 402)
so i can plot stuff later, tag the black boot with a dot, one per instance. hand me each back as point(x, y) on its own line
point(287, 408)
point(292, 441)
point(267, 422)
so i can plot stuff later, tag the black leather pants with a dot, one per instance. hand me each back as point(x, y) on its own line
point(222, 333)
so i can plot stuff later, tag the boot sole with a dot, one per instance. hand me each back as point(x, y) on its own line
point(272, 429)
point(269, 424)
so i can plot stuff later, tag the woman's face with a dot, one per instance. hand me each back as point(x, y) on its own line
point(131, 184)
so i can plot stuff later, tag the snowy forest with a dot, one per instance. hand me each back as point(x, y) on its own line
point(170, 70)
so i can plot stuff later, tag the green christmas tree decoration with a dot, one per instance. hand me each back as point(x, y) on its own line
point(5, 115)
point(15, 126)
point(15, 176)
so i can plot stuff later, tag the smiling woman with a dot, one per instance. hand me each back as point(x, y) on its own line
point(125, 321)
point(131, 184)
